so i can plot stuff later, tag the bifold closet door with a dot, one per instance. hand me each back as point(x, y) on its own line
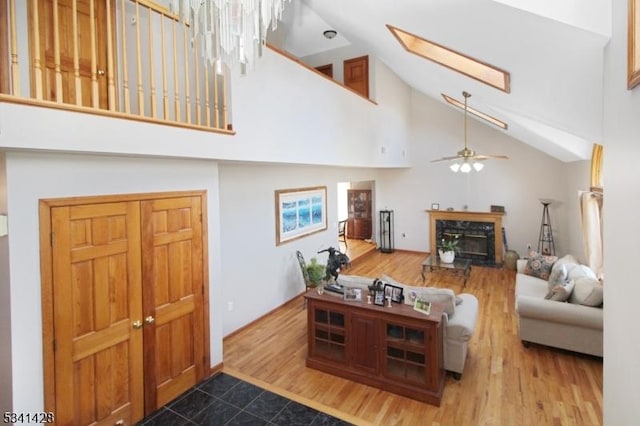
point(97, 303)
point(172, 274)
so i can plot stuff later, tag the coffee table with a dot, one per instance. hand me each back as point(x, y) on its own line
point(458, 267)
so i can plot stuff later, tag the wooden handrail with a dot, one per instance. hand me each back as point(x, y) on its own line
point(145, 52)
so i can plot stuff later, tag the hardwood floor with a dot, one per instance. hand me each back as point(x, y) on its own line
point(504, 383)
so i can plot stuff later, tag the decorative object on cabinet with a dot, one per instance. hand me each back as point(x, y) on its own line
point(423, 306)
point(386, 231)
point(336, 261)
point(300, 212)
point(359, 220)
point(352, 294)
point(398, 350)
point(435, 206)
point(378, 298)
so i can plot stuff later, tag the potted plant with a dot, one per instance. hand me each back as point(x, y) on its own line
point(316, 271)
point(448, 248)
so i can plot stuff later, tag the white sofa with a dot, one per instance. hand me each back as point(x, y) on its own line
point(567, 325)
point(459, 318)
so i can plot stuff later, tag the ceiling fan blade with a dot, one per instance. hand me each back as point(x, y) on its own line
point(480, 157)
point(455, 157)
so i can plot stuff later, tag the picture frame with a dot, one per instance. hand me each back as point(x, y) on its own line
point(394, 293)
point(633, 45)
point(352, 294)
point(378, 298)
point(435, 206)
point(422, 305)
point(300, 212)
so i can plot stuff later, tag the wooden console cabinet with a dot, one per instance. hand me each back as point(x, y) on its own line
point(396, 349)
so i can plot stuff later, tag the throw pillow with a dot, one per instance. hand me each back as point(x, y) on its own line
point(539, 265)
point(587, 291)
point(558, 276)
point(582, 271)
point(560, 292)
point(569, 261)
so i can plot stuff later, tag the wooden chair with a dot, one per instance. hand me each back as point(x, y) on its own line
point(342, 232)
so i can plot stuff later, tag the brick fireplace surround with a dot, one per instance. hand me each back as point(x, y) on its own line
point(462, 222)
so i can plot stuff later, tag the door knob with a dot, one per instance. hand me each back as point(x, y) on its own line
point(149, 319)
point(137, 324)
point(100, 72)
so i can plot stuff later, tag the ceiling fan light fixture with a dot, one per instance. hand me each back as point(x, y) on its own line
point(465, 168)
point(478, 166)
point(454, 167)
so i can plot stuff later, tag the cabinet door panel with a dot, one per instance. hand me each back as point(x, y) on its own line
point(363, 348)
point(173, 297)
point(96, 276)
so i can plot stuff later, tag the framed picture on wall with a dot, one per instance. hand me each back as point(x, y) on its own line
point(300, 212)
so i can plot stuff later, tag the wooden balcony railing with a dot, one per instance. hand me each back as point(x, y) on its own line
point(130, 59)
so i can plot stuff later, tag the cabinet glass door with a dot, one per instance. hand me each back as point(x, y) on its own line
point(328, 334)
point(405, 353)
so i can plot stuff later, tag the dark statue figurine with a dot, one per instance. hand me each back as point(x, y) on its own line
point(335, 262)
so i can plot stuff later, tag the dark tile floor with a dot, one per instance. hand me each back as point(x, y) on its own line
point(225, 400)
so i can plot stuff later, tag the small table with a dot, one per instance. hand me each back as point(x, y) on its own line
point(458, 267)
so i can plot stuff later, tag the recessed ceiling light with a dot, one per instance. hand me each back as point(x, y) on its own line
point(330, 34)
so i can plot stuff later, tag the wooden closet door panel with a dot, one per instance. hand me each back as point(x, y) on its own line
point(97, 298)
point(173, 297)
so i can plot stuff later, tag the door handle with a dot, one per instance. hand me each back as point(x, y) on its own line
point(101, 72)
point(149, 319)
point(137, 324)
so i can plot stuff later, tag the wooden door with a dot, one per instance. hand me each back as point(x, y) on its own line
point(66, 42)
point(326, 70)
point(97, 300)
point(356, 75)
point(173, 297)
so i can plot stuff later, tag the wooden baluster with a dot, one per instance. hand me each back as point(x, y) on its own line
point(224, 101)
point(152, 75)
point(37, 63)
point(125, 72)
point(76, 53)
point(216, 98)
point(165, 90)
point(95, 88)
point(207, 105)
point(197, 79)
point(139, 66)
point(111, 84)
point(187, 93)
point(15, 69)
point(56, 52)
point(176, 83)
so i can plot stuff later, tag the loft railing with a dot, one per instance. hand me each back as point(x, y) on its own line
point(125, 58)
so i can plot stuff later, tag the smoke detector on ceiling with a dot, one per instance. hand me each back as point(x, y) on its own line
point(330, 34)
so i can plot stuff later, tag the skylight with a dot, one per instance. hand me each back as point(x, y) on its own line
point(475, 112)
point(451, 59)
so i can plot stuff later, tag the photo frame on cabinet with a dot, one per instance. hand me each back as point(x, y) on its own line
point(394, 293)
point(378, 298)
point(300, 212)
point(352, 294)
point(435, 206)
point(633, 44)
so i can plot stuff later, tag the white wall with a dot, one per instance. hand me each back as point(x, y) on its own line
point(517, 183)
point(621, 205)
point(62, 175)
point(6, 375)
point(257, 276)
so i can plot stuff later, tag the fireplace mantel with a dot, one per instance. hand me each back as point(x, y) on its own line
point(490, 217)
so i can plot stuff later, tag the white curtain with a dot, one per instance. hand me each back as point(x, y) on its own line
point(591, 210)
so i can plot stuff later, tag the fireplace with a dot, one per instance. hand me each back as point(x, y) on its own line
point(480, 234)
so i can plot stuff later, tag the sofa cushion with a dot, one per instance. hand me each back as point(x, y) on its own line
point(539, 265)
point(587, 291)
point(446, 296)
point(560, 292)
point(558, 276)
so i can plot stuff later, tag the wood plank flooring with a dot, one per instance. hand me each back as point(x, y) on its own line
point(504, 383)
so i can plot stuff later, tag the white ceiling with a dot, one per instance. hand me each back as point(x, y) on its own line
point(553, 51)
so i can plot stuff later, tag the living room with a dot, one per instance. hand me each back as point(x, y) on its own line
point(299, 142)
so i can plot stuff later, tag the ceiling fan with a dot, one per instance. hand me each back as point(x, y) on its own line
point(466, 158)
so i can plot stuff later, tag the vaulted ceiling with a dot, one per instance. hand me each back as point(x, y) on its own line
point(554, 54)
